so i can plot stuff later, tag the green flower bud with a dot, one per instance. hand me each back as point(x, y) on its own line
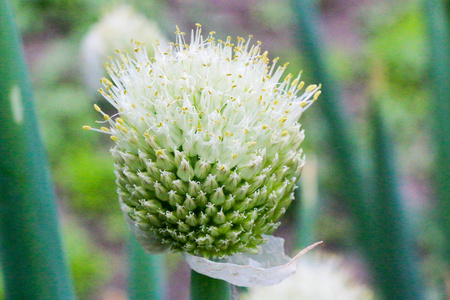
point(181, 211)
point(210, 184)
point(219, 218)
point(183, 227)
point(201, 200)
point(151, 206)
point(167, 178)
point(165, 160)
point(190, 203)
point(174, 198)
point(185, 171)
point(171, 217)
point(222, 172)
point(211, 209)
point(191, 219)
point(161, 192)
point(202, 169)
point(194, 188)
point(232, 182)
point(229, 202)
point(241, 191)
point(218, 197)
point(180, 186)
point(203, 219)
point(146, 180)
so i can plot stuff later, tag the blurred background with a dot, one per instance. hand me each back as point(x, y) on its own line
point(376, 51)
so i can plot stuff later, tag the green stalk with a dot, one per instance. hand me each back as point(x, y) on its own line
point(354, 183)
point(392, 259)
point(146, 273)
point(207, 288)
point(33, 262)
point(342, 140)
point(439, 55)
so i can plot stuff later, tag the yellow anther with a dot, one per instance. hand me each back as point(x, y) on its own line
point(264, 127)
point(316, 95)
point(106, 117)
point(124, 129)
point(227, 133)
point(97, 108)
point(284, 133)
point(87, 127)
point(106, 81)
point(311, 88)
point(288, 76)
point(114, 138)
point(234, 155)
point(251, 144)
point(295, 82)
point(105, 129)
point(246, 131)
point(198, 25)
point(212, 32)
point(119, 120)
point(178, 29)
point(303, 104)
point(275, 102)
point(160, 152)
point(124, 58)
point(283, 119)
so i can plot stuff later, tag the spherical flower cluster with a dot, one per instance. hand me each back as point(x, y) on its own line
point(319, 277)
point(114, 31)
point(207, 142)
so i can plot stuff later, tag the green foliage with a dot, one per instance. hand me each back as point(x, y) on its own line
point(31, 255)
point(90, 268)
point(392, 62)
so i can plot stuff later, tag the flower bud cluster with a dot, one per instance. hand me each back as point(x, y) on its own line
point(207, 142)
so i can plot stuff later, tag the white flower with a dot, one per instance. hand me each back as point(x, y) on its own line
point(207, 143)
point(114, 31)
point(319, 276)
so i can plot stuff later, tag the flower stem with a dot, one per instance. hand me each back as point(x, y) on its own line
point(437, 21)
point(207, 288)
point(392, 259)
point(146, 279)
point(355, 184)
point(33, 262)
point(439, 57)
